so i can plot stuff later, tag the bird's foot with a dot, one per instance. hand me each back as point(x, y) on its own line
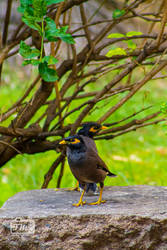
point(80, 203)
point(97, 202)
point(74, 189)
point(68, 189)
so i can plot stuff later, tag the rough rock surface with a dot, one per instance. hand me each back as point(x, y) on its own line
point(133, 217)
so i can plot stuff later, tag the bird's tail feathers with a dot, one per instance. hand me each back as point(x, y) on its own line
point(106, 170)
point(111, 174)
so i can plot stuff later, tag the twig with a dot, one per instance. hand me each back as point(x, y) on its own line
point(48, 176)
point(73, 97)
point(5, 30)
point(117, 79)
point(84, 21)
point(9, 145)
point(131, 123)
point(61, 173)
point(163, 22)
point(130, 129)
point(133, 91)
point(126, 118)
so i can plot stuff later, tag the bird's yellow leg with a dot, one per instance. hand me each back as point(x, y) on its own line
point(76, 188)
point(80, 203)
point(99, 200)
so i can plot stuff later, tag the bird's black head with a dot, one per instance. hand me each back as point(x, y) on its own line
point(90, 129)
point(74, 141)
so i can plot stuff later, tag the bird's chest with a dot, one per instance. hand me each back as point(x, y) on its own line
point(76, 159)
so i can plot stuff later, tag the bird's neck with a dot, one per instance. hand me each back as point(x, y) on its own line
point(88, 134)
point(77, 148)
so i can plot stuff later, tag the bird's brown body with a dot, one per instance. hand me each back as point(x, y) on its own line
point(85, 163)
point(89, 130)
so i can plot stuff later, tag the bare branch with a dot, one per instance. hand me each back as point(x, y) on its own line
point(49, 174)
point(130, 129)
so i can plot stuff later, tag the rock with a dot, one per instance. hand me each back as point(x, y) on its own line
point(133, 217)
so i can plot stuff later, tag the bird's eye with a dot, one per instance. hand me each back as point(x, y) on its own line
point(93, 129)
point(75, 141)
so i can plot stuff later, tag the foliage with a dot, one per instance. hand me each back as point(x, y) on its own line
point(118, 13)
point(34, 15)
point(163, 108)
point(131, 45)
point(116, 51)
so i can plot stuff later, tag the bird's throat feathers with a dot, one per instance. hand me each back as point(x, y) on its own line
point(76, 155)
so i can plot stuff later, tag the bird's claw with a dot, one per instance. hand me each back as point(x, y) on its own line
point(97, 202)
point(68, 189)
point(79, 204)
point(74, 189)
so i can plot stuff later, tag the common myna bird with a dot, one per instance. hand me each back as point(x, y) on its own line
point(89, 130)
point(86, 165)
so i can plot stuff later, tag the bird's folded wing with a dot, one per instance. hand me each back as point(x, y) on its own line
point(100, 163)
point(90, 144)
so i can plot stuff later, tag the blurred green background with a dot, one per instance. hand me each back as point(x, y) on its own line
point(138, 157)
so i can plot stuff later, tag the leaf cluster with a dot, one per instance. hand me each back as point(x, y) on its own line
point(34, 15)
point(163, 108)
point(121, 51)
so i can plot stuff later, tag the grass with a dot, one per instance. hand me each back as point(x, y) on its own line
point(138, 158)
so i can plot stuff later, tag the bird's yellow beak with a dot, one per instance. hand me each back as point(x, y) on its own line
point(104, 127)
point(62, 142)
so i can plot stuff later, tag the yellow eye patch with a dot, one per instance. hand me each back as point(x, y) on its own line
point(92, 129)
point(75, 141)
point(62, 142)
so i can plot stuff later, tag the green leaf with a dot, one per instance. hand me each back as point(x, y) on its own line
point(115, 52)
point(50, 60)
point(117, 13)
point(133, 33)
point(49, 2)
point(34, 62)
point(163, 108)
point(134, 58)
point(40, 8)
point(116, 35)
point(52, 32)
point(50, 29)
point(21, 9)
point(31, 22)
point(27, 52)
point(23, 5)
point(131, 44)
point(47, 74)
point(67, 38)
point(33, 12)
